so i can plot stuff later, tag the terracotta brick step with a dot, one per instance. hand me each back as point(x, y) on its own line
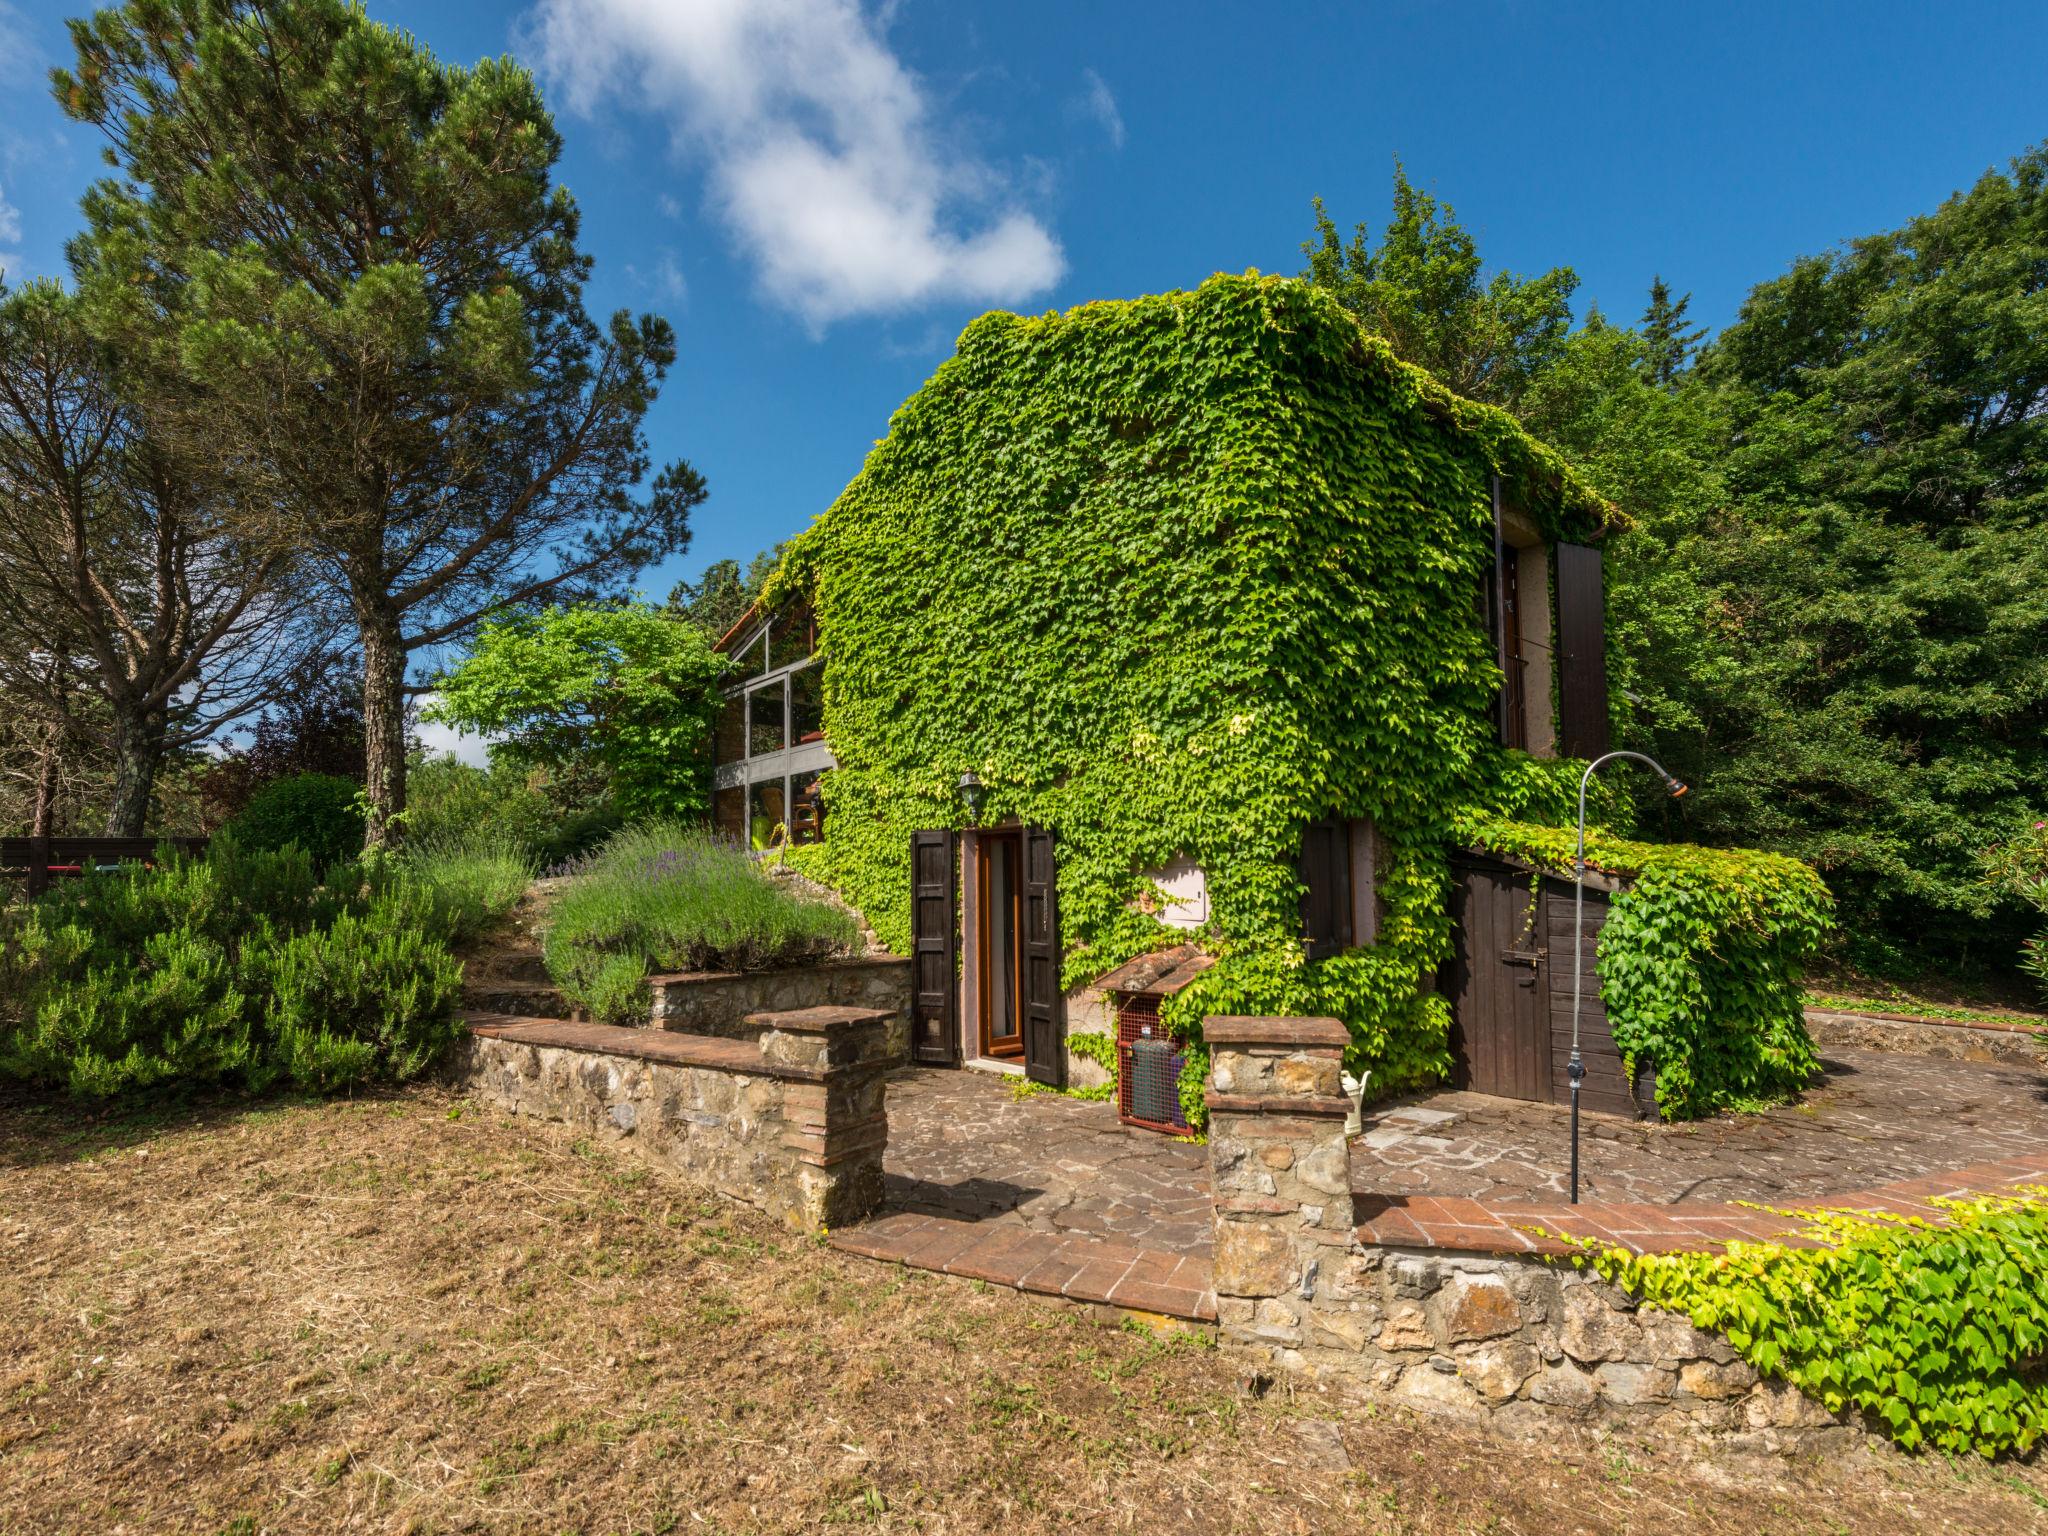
point(1045, 1263)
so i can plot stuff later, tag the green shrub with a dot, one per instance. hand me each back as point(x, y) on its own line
point(547, 817)
point(1936, 1333)
point(455, 887)
point(668, 897)
point(317, 811)
point(240, 969)
point(1699, 962)
point(2019, 868)
point(369, 997)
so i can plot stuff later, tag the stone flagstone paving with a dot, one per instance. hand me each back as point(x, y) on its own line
point(963, 1145)
point(1878, 1118)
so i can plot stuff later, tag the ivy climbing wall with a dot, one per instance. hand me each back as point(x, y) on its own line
point(1175, 576)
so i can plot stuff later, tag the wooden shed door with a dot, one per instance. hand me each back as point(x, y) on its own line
point(935, 939)
point(1500, 1015)
point(1606, 1089)
point(1045, 1046)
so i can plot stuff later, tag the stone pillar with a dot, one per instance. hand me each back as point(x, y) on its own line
point(834, 1063)
point(1280, 1174)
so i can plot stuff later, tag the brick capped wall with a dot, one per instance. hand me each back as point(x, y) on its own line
point(1501, 1337)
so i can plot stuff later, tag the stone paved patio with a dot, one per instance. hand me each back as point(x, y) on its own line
point(1880, 1117)
point(963, 1144)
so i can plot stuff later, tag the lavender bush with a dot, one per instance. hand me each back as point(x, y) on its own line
point(668, 897)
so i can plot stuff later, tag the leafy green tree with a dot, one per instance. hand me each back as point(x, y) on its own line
point(625, 687)
point(1670, 340)
point(1421, 288)
point(354, 257)
point(1881, 562)
point(719, 598)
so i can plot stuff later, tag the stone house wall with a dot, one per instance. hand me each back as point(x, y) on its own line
point(1517, 1341)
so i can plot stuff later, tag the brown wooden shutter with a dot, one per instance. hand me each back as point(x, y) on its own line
point(1365, 883)
point(1045, 1044)
point(935, 941)
point(1325, 869)
point(1581, 652)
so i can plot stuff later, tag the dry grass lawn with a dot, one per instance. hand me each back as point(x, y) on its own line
point(407, 1315)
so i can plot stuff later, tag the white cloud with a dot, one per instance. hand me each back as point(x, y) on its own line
point(10, 236)
point(820, 148)
point(439, 740)
point(670, 208)
point(1099, 102)
point(666, 279)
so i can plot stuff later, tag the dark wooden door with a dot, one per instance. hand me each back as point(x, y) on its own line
point(935, 942)
point(1045, 1044)
point(1500, 1019)
point(1606, 1088)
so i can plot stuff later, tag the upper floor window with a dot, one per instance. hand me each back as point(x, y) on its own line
point(773, 692)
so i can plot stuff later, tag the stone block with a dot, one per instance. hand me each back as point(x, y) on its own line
point(1307, 1077)
point(1628, 1384)
point(1592, 1330)
point(1252, 1259)
point(1276, 1322)
point(1475, 1307)
point(1497, 1370)
point(1714, 1382)
point(1343, 1330)
point(1327, 1168)
point(1414, 1277)
point(1564, 1386)
point(1406, 1327)
point(1777, 1405)
point(1278, 1157)
point(1423, 1386)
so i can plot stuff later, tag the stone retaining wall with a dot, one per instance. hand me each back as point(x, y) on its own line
point(1509, 1339)
point(792, 1122)
point(717, 1003)
point(1951, 1040)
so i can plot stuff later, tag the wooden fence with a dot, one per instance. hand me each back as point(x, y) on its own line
point(38, 858)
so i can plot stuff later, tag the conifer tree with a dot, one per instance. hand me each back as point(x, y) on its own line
point(1670, 343)
point(354, 256)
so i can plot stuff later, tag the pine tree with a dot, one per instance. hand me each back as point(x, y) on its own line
point(1670, 343)
point(356, 259)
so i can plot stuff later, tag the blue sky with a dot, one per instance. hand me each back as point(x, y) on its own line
point(820, 194)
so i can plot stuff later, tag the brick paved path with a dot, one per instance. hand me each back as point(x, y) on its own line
point(1879, 1118)
point(963, 1144)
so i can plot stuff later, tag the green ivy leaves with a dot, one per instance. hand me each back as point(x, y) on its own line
point(1936, 1333)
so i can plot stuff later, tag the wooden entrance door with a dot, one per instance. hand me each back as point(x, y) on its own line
point(1498, 984)
point(999, 942)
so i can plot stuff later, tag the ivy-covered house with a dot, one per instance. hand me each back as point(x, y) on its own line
point(1158, 664)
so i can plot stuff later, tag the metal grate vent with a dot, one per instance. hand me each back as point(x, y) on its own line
point(1148, 1069)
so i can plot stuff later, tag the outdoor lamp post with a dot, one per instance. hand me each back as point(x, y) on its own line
point(970, 792)
point(1576, 1070)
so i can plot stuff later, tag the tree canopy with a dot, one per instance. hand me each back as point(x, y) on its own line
point(1420, 288)
point(354, 255)
point(625, 688)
